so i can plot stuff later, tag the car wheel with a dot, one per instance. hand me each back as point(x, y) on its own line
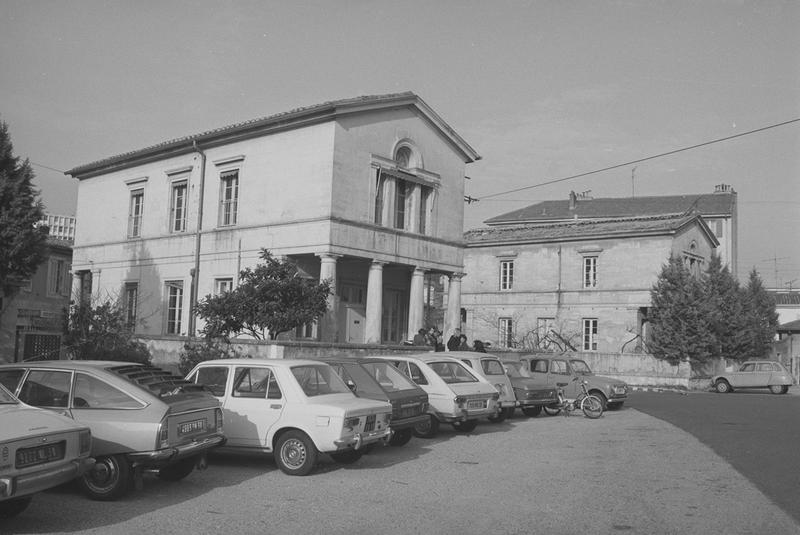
point(346, 457)
point(778, 389)
point(722, 386)
point(499, 417)
point(466, 426)
point(178, 470)
point(295, 453)
point(109, 479)
point(784, 389)
point(427, 429)
point(13, 507)
point(552, 410)
point(530, 412)
point(602, 397)
point(614, 406)
point(401, 437)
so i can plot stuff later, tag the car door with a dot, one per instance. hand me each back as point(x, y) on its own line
point(743, 377)
point(47, 389)
point(539, 370)
point(252, 405)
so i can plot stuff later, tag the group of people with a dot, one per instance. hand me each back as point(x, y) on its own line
point(458, 341)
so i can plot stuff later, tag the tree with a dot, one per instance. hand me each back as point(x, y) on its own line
point(271, 298)
point(100, 333)
point(22, 238)
point(678, 317)
point(761, 318)
point(724, 310)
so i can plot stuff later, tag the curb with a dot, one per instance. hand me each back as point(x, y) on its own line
point(658, 389)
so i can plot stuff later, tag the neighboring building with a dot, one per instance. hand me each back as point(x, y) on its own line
point(582, 285)
point(787, 305)
point(719, 210)
point(367, 192)
point(32, 321)
point(787, 348)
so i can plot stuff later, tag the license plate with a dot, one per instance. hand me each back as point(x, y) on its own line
point(39, 455)
point(476, 404)
point(195, 426)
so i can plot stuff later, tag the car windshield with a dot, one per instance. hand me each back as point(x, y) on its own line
point(389, 377)
point(516, 370)
point(492, 367)
point(452, 372)
point(6, 397)
point(580, 367)
point(319, 380)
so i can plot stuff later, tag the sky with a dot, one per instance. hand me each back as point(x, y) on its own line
point(543, 90)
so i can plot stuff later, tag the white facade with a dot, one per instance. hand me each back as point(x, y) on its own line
point(366, 192)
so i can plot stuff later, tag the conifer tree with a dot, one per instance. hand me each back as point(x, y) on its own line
point(680, 329)
point(725, 312)
point(22, 239)
point(761, 318)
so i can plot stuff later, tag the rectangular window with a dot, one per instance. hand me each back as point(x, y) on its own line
point(130, 303)
point(305, 330)
point(400, 200)
point(174, 306)
point(229, 197)
point(505, 335)
point(178, 207)
point(57, 277)
point(379, 198)
point(718, 228)
point(223, 285)
point(544, 332)
point(589, 271)
point(506, 274)
point(135, 213)
point(590, 334)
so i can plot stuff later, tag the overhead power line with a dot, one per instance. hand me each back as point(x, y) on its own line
point(661, 155)
point(46, 167)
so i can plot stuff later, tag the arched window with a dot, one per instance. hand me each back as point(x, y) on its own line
point(404, 157)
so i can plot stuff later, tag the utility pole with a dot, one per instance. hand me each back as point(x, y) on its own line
point(633, 184)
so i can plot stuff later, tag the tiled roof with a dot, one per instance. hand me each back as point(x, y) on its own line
point(579, 229)
point(792, 326)
point(296, 117)
point(786, 298)
point(707, 204)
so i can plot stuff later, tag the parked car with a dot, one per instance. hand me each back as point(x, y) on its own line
point(294, 409)
point(755, 374)
point(490, 368)
point(38, 450)
point(455, 394)
point(374, 378)
point(558, 371)
point(141, 417)
point(531, 396)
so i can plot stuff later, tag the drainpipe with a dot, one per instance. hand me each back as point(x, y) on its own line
point(195, 272)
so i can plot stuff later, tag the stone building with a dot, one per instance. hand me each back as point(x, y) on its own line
point(581, 285)
point(366, 192)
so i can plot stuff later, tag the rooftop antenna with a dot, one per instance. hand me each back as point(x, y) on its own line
point(633, 185)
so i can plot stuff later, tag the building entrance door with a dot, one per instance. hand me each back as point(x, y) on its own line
point(394, 323)
point(356, 322)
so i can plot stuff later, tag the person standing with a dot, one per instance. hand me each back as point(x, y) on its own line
point(454, 341)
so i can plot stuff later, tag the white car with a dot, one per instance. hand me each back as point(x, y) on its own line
point(294, 409)
point(456, 395)
point(38, 450)
point(490, 368)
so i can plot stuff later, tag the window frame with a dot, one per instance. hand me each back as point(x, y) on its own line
point(177, 221)
point(589, 271)
point(589, 336)
point(130, 306)
point(219, 282)
point(229, 181)
point(58, 270)
point(173, 317)
point(505, 331)
point(135, 212)
point(506, 275)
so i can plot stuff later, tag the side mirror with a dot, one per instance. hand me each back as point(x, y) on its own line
point(351, 385)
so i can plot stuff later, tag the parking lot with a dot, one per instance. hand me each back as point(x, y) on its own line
point(626, 472)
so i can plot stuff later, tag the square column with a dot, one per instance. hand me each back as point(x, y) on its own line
point(452, 319)
point(329, 325)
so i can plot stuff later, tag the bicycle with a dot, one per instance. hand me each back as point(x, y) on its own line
point(590, 404)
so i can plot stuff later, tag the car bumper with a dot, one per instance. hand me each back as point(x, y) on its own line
point(542, 402)
point(405, 423)
point(167, 455)
point(359, 440)
point(23, 485)
point(464, 415)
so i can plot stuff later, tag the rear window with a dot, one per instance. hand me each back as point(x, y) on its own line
point(319, 380)
point(159, 382)
point(452, 372)
point(516, 370)
point(389, 377)
point(492, 367)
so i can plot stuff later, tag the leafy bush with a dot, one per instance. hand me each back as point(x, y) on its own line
point(208, 349)
point(99, 333)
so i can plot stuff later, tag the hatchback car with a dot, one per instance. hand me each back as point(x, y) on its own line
point(456, 395)
point(755, 374)
point(38, 450)
point(141, 417)
point(531, 396)
point(374, 378)
point(558, 371)
point(294, 409)
point(490, 368)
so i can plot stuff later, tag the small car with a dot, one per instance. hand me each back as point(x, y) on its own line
point(755, 374)
point(38, 450)
point(456, 395)
point(531, 396)
point(490, 368)
point(558, 371)
point(294, 409)
point(141, 417)
point(374, 378)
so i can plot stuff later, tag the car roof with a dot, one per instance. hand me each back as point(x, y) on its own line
point(72, 364)
point(427, 357)
point(283, 363)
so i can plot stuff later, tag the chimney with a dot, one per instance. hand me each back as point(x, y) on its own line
point(573, 200)
point(723, 188)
